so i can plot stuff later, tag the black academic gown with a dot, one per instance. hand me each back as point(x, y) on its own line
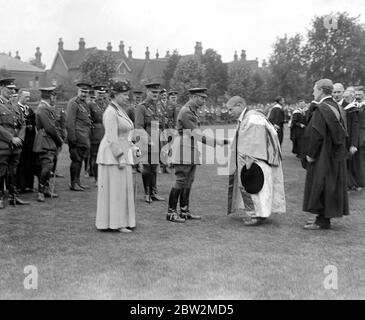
point(325, 191)
point(297, 132)
point(25, 172)
point(355, 173)
point(362, 138)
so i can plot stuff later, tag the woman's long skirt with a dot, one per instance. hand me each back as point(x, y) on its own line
point(115, 203)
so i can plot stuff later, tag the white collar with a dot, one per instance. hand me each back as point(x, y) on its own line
point(340, 103)
point(240, 118)
point(324, 99)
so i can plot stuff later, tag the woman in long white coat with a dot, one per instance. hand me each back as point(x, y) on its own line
point(115, 201)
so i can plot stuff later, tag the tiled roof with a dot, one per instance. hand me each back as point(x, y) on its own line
point(74, 58)
point(12, 64)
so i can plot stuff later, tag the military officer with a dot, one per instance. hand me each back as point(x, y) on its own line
point(25, 172)
point(78, 125)
point(47, 143)
point(12, 133)
point(145, 114)
point(137, 99)
point(163, 118)
point(61, 128)
point(173, 109)
point(97, 109)
point(186, 155)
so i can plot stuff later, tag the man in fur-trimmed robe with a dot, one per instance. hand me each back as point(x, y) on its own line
point(256, 141)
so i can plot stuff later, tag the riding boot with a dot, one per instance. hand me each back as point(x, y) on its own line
point(173, 200)
point(184, 206)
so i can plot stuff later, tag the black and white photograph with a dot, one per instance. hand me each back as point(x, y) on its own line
point(197, 153)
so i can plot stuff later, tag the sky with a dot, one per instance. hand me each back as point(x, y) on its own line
point(224, 25)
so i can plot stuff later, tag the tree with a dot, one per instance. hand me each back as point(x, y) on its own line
point(336, 53)
point(240, 80)
point(189, 73)
point(287, 68)
point(216, 75)
point(168, 73)
point(98, 67)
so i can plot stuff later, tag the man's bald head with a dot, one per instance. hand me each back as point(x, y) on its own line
point(24, 96)
point(235, 106)
point(338, 91)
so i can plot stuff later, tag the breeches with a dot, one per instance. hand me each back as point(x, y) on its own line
point(45, 165)
point(185, 174)
point(8, 167)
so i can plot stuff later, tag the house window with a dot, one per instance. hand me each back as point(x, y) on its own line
point(122, 71)
point(36, 80)
point(54, 82)
point(31, 83)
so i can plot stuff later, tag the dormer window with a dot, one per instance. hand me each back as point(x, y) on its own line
point(122, 70)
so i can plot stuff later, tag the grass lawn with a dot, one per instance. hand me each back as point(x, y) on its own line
point(216, 258)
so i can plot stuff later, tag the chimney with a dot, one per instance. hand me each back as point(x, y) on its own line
point(157, 55)
point(130, 53)
point(121, 48)
point(82, 44)
point(198, 49)
point(235, 56)
point(264, 63)
point(167, 54)
point(38, 56)
point(17, 55)
point(243, 55)
point(60, 44)
point(109, 47)
point(147, 53)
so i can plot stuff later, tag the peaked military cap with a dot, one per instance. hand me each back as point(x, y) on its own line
point(120, 86)
point(7, 82)
point(137, 91)
point(101, 88)
point(173, 93)
point(199, 92)
point(163, 91)
point(47, 92)
point(153, 85)
point(84, 86)
point(252, 179)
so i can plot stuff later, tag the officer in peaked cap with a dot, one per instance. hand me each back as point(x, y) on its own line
point(173, 108)
point(145, 114)
point(187, 157)
point(78, 125)
point(163, 118)
point(12, 133)
point(97, 109)
point(47, 143)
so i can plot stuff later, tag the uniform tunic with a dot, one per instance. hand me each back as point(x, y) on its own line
point(46, 151)
point(115, 202)
point(325, 190)
point(12, 125)
point(97, 109)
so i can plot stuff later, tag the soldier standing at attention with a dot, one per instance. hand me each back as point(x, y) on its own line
point(173, 109)
point(186, 155)
point(78, 124)
point(12, 133)
point(146, 113)
point(97, 109)
point(47, 142)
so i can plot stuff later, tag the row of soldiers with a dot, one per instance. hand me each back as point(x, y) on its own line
point(31, 141)
point(352, 106)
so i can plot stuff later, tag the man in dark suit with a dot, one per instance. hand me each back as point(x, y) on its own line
point(25, 172)
point(47, 142)
point(78, 125)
